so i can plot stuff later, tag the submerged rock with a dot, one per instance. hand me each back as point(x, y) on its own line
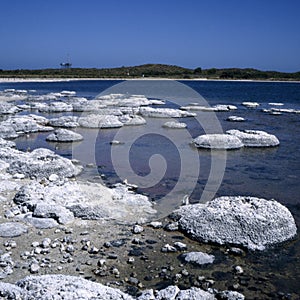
point(218, 141)
point(39, 163)
point(100, 121)
point(255, 138)
point(64, 135)
point(175, 125)
point(248, 221)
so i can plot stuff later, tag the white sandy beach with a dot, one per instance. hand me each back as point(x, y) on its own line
point(17, 80)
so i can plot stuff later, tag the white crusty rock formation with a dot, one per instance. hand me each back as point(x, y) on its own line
point(164, 112)
point(235, 119)
point(218, 141)
point(132, 120)
point(199, 258)
point(7, 108)
point(100, 121)
point(216, 108)
point(84, 200)
point(18, 125)
point(53, 107)
point(255, 138)
point(124, 100)
point(38, 164)
point(64, 121)
point(46, 287)
point(248, 221)
point(250, 104)
point(64, 135)
point(12, 229)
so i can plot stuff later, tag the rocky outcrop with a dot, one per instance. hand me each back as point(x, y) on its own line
point(172, 292)
point(64, 135)
point(248, 221)
point(46, 287)
point(198, 258)
point(4, 143)
point(124, 100)
point(100, 121)
point(38, 164)
point(83, 200)
point(255, 138)
point(164, 112)
point(53, 107)
point(7, 108)
point(67, 288)
point(18, 125)
point(216, 108)
point(132, 120)
point(12, 229)
point(64, 121)
point(218, 141)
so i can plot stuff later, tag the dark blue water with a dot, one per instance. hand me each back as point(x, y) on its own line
point(236, 92)
point(83, 88)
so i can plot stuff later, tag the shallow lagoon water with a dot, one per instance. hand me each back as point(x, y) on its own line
point(267, 173)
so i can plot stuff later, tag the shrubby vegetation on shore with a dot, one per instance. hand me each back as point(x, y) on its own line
point(151, 70)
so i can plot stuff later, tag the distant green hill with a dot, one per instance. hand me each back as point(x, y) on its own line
point(152, 70)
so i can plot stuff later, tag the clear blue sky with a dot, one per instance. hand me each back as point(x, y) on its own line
point(263, 34)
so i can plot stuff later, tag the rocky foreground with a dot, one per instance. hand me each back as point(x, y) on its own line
point(53, 225)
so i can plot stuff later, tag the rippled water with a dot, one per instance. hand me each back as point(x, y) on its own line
point(267, 173)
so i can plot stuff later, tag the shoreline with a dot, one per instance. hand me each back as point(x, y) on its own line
point(20, 80)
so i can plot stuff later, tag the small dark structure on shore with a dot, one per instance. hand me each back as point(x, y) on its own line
point(66, 65)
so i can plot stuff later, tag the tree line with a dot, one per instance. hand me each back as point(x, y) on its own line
point(152, 70)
